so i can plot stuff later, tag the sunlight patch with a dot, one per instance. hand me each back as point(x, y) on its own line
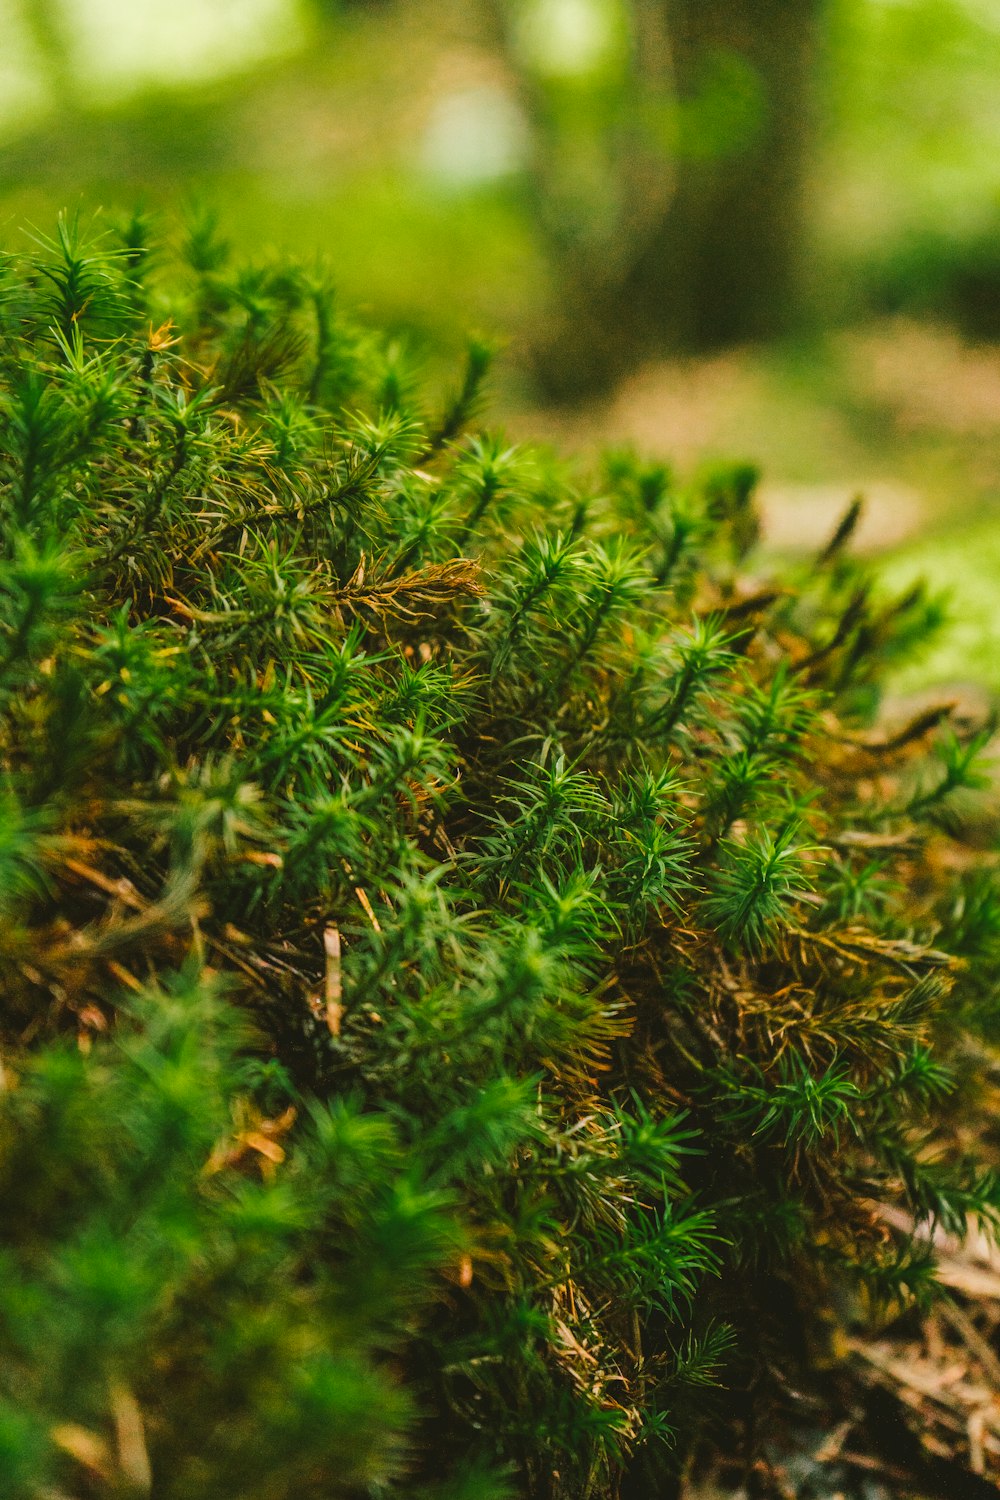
point(126, 44)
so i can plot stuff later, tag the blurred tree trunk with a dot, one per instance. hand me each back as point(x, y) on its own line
point(736, 227)
point(722, 258)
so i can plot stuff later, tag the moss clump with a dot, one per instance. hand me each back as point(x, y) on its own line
point(468, 974)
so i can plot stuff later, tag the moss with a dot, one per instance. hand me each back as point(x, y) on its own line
point(468, 964)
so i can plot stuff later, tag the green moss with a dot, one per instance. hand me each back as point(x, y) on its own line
point(467, 964)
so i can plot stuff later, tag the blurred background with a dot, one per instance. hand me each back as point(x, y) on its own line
point(744, 228)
